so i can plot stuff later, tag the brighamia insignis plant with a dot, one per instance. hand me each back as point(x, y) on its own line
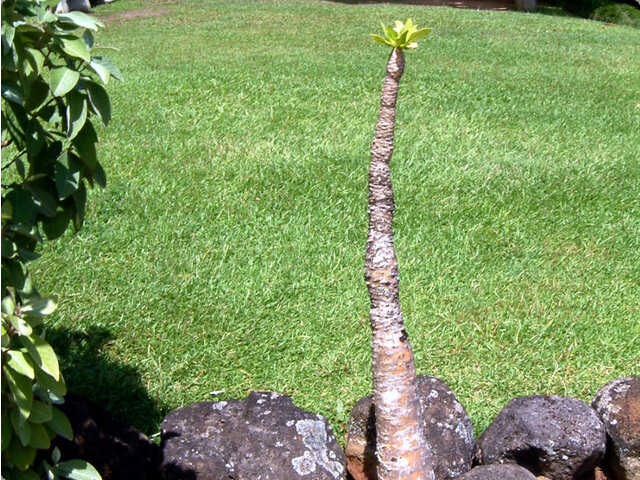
point(401, 451)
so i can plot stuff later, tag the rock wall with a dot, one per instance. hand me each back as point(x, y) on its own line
point(265, 436)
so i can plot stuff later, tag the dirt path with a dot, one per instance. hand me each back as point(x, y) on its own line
point(153, 10)
point(469, 4)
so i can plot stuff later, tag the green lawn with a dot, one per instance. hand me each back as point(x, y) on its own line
point(227, 251)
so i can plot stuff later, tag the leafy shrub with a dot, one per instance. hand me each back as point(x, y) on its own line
point(600, 9)
point(583, 8)
point(52, 88)
point(619, 14)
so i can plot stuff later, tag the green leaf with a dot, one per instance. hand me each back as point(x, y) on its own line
point(63, 80)
point(9, 54)
point(419, 35)
point(20, 324)
point(113, 70)
point(28, 255)
point(38, 93)
point(87, 38)
point(8, 248)
point(99, 101)
point(22, 206)
point(379, 39)
point(25, 475)
point(21, 457)
point(7, 210)
point(77, 470)
point(99, 176)
point(80, 201)
point(81, 19)
point(40, 412)
point(57, 388)
point(43, 355)
point(28, 34)
point(8, 33)
point(12, 123)
point(4, 338)
point(39, 438)
point(402, 39)
point(85, 145)
point(60, 424)
point(19, 276)
point(7, 429)
point(30, 233)
point(55, 455)
point(76, 113)
point(12, 92)
point(45, 15)
point(8, 304)
point(19, 362)
point(56, 400)
point(101, 70)
point(35, 137)
point(50, 114)
point(44, 202)
point(390, 33)
point(40, 307)
point(55, 227)
point(52, 434)
point(22, 171)
point(35, 58)
point(20, 427)
point(74, 47)
point(22, 390)
point(67, 175)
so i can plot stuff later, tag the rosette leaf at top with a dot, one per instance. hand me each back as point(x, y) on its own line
point(401, 35)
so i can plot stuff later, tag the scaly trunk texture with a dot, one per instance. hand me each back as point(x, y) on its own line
point(401, 450)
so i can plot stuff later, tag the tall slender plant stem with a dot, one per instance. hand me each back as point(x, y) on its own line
point(401, 450)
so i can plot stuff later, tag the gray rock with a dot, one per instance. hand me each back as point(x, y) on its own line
point(498, 472)
point(558, 437)
point(262, 437)
point(618, 404)
point(447, 429)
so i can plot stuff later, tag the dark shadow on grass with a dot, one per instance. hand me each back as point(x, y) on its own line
point(553, 11)
point(110, 384)
point(586, 9)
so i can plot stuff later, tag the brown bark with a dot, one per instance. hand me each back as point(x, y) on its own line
point(401, 451)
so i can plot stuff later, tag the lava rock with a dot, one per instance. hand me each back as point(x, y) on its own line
point(498, 472)
point(263, 436)
point(558, 437)
point(446, 428)
point(116, 450)
point(618, 404)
